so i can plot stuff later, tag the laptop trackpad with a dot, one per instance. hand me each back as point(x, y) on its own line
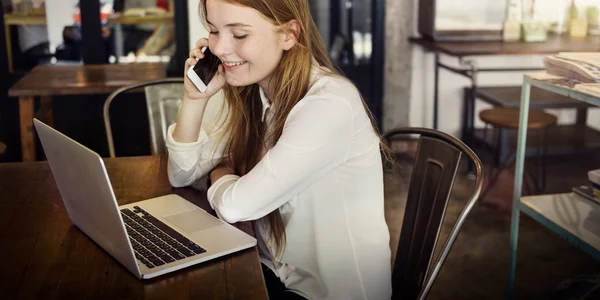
point(192, 221)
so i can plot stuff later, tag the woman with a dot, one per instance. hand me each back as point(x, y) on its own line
point(296, 152)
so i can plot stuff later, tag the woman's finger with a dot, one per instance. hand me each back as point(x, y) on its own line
point(196, 53)
point(201, 43)
point(191, 61)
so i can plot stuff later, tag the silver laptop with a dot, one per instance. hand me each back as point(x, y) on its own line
point(151, 237)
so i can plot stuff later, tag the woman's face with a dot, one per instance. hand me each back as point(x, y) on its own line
point(249, 46)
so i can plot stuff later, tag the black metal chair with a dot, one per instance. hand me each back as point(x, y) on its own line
point(431, 182)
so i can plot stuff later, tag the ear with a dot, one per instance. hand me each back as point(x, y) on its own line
point(291, 32)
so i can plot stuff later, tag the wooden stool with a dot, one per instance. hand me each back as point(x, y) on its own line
point(508, 118)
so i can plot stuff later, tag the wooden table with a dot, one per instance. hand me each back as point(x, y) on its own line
point(469, 68)
point(45, 256)
point(57, 80)
point(554, 44)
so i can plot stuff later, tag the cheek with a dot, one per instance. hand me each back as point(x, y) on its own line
point(212, 41)
point(252, 52)
point(258, 50)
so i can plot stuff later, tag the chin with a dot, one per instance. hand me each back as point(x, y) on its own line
point(235, 83)
point(238, 82)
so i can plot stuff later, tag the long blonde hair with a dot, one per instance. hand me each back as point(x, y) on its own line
point(291, 81)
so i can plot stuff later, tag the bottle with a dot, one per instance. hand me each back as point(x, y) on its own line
point(512, 25)
point(577, 25)
point(533, 30)
point(593, 19)
point(560, 23)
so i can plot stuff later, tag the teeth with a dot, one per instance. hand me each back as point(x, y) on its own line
point(234, 64)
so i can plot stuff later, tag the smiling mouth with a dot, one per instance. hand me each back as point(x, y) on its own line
point(233, 64)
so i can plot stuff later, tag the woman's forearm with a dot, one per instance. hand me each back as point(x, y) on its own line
point(189, 120)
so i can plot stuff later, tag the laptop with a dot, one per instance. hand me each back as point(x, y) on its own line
point(151, 237)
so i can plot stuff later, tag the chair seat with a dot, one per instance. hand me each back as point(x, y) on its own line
point(509, 118)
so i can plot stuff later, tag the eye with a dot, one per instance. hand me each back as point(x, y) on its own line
point(214, 32)
point(240, 37)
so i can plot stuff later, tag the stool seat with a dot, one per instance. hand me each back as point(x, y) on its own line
point(505, 117)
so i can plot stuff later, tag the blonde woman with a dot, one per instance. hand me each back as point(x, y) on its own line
point(297, 153)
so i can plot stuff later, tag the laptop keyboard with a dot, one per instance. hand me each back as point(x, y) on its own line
point(155, 243)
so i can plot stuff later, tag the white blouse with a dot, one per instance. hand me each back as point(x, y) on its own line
point(324, 175)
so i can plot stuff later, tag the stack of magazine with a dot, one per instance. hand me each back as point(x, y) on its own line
point(591, 191)
point(583, 67)
point(587, 192)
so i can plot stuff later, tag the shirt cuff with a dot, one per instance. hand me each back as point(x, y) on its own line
point(217, 189)
point(185, 155)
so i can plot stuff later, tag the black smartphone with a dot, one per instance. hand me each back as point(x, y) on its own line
point(204, 70)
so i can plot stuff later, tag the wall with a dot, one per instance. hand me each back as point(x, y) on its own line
point(197, 29)
point(398, 58)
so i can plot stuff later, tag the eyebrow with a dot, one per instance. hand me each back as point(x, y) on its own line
point(231, 24)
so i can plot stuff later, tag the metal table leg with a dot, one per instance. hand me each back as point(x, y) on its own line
point(473, 72)
point(514, 226)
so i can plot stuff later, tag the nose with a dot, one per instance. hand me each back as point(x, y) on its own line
point(219, 46)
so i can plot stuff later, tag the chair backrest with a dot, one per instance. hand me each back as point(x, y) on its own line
point(437, 159)
point(163, 101)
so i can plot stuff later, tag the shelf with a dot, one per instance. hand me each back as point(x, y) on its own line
point(134, 20)
point(573, 217)
point(21, 19)
point(562, 86)
point(569, 215)
point(510, 96)
point(16, 19)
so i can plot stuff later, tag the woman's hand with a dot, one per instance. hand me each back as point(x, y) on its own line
point(217, 82)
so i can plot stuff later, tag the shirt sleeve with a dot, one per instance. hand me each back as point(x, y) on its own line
point(190, 162)
point(315, 140)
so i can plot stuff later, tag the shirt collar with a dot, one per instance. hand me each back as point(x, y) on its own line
point(266, 104)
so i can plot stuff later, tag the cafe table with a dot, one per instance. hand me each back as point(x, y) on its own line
point(46, 257)
point(46, 81)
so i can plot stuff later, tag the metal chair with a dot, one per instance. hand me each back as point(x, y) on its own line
point(431, 182)
point(163, 101)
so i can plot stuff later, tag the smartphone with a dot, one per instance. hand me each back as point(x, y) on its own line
point(204, 70)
